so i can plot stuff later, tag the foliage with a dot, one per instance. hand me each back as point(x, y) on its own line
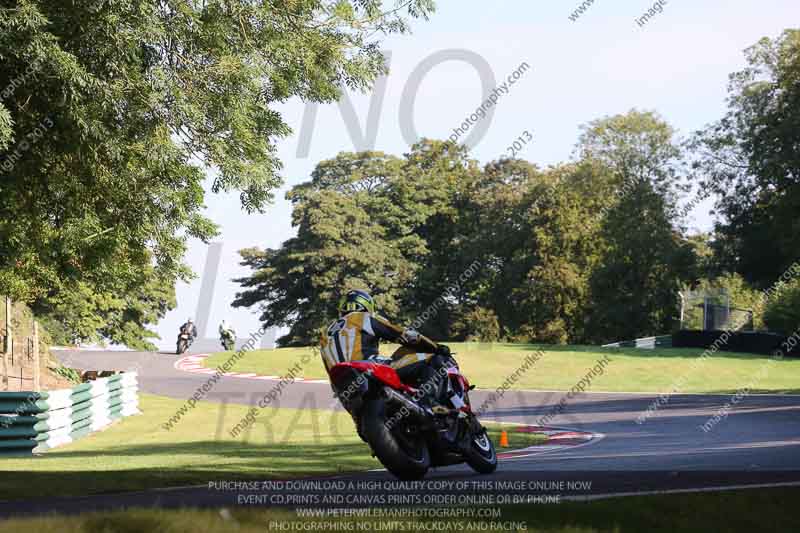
point(645, 258)
point(339, 246)
point(67, 373)
point(782, 312)
point(750, 159)
point(111, 113)
point(476, 324)
point(508, 250)
point(739, 295)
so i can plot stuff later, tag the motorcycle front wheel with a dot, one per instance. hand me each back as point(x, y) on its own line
point(182, 347)
point(481, 455)
point(405, 455)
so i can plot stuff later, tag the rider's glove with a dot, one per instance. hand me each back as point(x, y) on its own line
point(411, 336)
point(380, 360)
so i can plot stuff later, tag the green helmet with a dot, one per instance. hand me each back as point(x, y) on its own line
point(357, 300)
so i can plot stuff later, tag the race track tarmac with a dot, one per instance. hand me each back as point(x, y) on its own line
point(758, 443)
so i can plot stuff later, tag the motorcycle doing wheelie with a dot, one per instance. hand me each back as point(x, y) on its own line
point(406, 436)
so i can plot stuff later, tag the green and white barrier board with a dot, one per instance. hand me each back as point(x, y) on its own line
point(35, 422)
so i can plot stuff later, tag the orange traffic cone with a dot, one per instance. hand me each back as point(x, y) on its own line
point(503, 439)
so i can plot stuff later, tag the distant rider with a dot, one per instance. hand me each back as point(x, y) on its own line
point(190, 329)
point(227, 335)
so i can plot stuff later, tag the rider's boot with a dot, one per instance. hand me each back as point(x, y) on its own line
point(432, 400)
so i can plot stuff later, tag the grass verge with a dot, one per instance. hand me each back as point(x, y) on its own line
point(138, 453)
point(751, 510)
point(629, 369)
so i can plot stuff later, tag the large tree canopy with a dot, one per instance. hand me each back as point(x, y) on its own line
point(508, 250)
point(645, 257)
point(111, 111)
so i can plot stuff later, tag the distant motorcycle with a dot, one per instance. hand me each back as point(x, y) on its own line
point(405, 436)
point(228, 340)
point(185, 340)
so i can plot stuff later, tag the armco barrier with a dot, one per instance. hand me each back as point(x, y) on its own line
point(35, 422)
point(648, 343)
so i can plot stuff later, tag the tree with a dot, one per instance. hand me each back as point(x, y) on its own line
point(567, 245)
point(498, 227)
point(127, 105)
point(634, 289)
point(782, 313)
point(437, 179)
point(339, 246)
point(368, 220)
point(750, 159)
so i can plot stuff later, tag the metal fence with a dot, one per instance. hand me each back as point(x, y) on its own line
point(711, 311)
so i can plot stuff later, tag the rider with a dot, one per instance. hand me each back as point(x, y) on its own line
point(189, 328)
point(226, 332)
point(356, 335)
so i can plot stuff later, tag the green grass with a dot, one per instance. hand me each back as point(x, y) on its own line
point(747, 511)
point(138, 453)
point(629, 369)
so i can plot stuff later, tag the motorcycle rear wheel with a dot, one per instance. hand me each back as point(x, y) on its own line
point(407, 459)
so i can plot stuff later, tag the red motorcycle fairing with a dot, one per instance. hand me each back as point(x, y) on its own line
point(454, 372)
point(383, 373)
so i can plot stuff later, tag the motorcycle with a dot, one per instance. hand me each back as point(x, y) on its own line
point(184, 341)
point(407, 437)
point(228, 340)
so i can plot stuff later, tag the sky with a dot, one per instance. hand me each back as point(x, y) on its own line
point(601, 64)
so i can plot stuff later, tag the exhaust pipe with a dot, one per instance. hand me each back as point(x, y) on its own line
point(395, 397)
